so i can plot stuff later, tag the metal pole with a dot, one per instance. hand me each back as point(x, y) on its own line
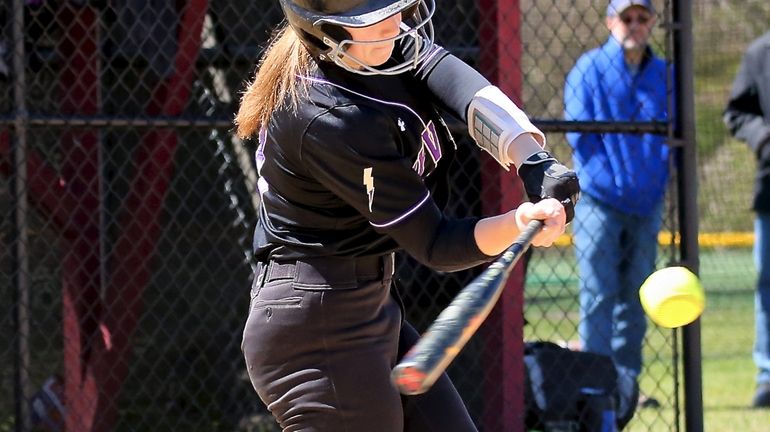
point(688, 205)
point(21, 210)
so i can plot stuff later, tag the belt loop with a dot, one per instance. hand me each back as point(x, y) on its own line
point(262, 273)
point(389, 265)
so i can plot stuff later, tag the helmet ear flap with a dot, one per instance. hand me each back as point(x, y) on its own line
point(311, 39)
point(409, 12)
point(335, 32)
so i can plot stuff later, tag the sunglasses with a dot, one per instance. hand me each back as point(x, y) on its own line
point(639, 19)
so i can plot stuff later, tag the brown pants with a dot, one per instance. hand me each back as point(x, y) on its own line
point(320, 341)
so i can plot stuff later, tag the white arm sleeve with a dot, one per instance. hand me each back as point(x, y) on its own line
point(501, 128)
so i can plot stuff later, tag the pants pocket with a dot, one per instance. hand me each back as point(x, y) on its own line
point(282, 302)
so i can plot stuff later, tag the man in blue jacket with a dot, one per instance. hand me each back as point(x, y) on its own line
point(748, 118)
point(623, 178)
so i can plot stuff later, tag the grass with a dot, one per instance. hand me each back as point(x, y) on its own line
point(728, 371)
point(727, 331)
point(726, 166)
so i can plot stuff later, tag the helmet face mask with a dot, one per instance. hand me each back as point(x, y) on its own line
point(319, 24)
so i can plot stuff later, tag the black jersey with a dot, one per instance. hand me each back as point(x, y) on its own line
point(352, 172)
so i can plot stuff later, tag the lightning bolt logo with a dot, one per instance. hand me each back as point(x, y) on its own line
point(369, 183)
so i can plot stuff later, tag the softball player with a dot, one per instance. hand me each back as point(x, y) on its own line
point(345, 105)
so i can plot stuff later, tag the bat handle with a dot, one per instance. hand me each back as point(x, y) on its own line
point(525, 237)
point(533, 227)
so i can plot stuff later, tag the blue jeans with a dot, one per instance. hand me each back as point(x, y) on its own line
point(615, 254)
point(762, 296)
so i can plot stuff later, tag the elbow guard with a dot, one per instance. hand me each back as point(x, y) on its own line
point(501, 128)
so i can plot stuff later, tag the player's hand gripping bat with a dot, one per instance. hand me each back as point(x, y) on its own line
point(441, 343)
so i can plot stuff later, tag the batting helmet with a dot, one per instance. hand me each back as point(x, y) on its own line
point(319, 24)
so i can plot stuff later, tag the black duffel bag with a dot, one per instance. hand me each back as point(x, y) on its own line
point(574, 391)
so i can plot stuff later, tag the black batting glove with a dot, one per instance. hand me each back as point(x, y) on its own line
point(544, 177)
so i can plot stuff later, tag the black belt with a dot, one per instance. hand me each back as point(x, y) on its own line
point(327, 272)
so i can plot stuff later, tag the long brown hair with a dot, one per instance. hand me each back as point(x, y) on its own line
point(276, 77)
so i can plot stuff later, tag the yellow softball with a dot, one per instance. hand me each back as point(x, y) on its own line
point(672, 297)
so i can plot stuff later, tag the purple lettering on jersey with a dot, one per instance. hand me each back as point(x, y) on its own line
point(419, 164)
point(430, 141)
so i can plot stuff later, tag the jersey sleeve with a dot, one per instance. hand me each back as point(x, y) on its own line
point(356, 153)
point(451, 82)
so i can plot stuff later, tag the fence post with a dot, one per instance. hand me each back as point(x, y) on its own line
point(500, 49)
point(17, 142)
point(687, 168)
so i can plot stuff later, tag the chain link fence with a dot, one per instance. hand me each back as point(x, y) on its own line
point(727, 168)
point(128, 206)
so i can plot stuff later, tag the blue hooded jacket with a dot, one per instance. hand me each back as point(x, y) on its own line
point(625, 171)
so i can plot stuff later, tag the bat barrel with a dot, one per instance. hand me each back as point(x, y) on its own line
point(431, 355)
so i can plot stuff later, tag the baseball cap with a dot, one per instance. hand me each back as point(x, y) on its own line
point(616, 7)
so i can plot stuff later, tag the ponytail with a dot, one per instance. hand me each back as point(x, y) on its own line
point(275, 83)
